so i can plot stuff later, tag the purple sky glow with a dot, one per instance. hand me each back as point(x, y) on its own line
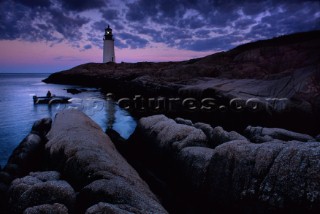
point(53, 35)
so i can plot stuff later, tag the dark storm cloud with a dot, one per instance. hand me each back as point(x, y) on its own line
point(111, 17)
point(34, 21)
point(218, 43)
point(70, 27)
point(133, 41)
point(120, 44)
point(202, 34)
point(82, 5)
point(99, 26)
point(244, 23)
point(87, 47)
point(17, 22)
point(188, 24)
point(199, 25)
point(156, 35)
point(95, 39)
point(294, 17)
point(34, 3)
point(10, 27)
point(110, 14)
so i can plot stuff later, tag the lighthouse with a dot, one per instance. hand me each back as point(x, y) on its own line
point(108, 46)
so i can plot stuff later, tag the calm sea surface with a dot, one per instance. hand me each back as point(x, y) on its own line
point(18, 113)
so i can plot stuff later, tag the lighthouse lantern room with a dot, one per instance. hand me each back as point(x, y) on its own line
point(108, 46)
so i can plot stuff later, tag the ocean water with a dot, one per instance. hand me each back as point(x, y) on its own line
point(18, 112)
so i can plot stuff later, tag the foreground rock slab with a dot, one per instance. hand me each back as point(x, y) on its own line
point(88, 160)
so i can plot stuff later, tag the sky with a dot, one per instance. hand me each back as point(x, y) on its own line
point(51, 35)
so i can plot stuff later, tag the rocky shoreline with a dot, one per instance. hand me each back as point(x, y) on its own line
point(72, 166)
point(75, 168)
point(213, 149)
point(209, 169)
point(270, 83)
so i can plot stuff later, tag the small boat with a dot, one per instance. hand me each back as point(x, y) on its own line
point(50, 100)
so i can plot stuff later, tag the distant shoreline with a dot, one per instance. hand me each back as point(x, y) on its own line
point(276, 69)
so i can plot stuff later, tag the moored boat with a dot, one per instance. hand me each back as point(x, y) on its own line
point(50, 100)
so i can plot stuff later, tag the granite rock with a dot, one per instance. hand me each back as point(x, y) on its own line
point(28, 155)
point(55, 208)
point(89, 161)
point(39, 188)
point(103, 207)
point(274, 176)
point(170, 136)
point(261, 134)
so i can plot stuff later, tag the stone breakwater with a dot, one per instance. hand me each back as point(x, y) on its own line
point(167, 165)
point(73, 168)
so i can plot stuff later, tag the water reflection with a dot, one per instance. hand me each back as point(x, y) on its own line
point(106, 113)
point(50, 111)
point(18, 112)
point(111, 114)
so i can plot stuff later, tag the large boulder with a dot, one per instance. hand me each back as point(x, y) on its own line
point(28, 156)
point(177, 155)
point(170, 136)
point(3, 190)
point(274, 176)
point(103, 207)
point(118, 191)
point(192, 165)
point(181, 147)
point(280, 175)
point(215, 136)
point(260, 134)
point(38, 189)
point(55, 208)
point(42, 127)
point(85, 155)
point(220, 136)
point(183, 121)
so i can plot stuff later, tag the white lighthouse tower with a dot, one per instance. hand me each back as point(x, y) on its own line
point(108, 46)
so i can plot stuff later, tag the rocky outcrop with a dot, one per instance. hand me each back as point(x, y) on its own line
point(174, 135)
point(275, 176)
point(169, 135)
point(271, 58)
point(270, 83)
point(177, 153)
point(220, 136)
point(27, 157)
point(39, 189)
point(279, 174)
point(108, 208)
point(80, 171)
point(260, 134)
point(117, 191)
point(78, 148)
point(192, 165)
point(55, 208)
